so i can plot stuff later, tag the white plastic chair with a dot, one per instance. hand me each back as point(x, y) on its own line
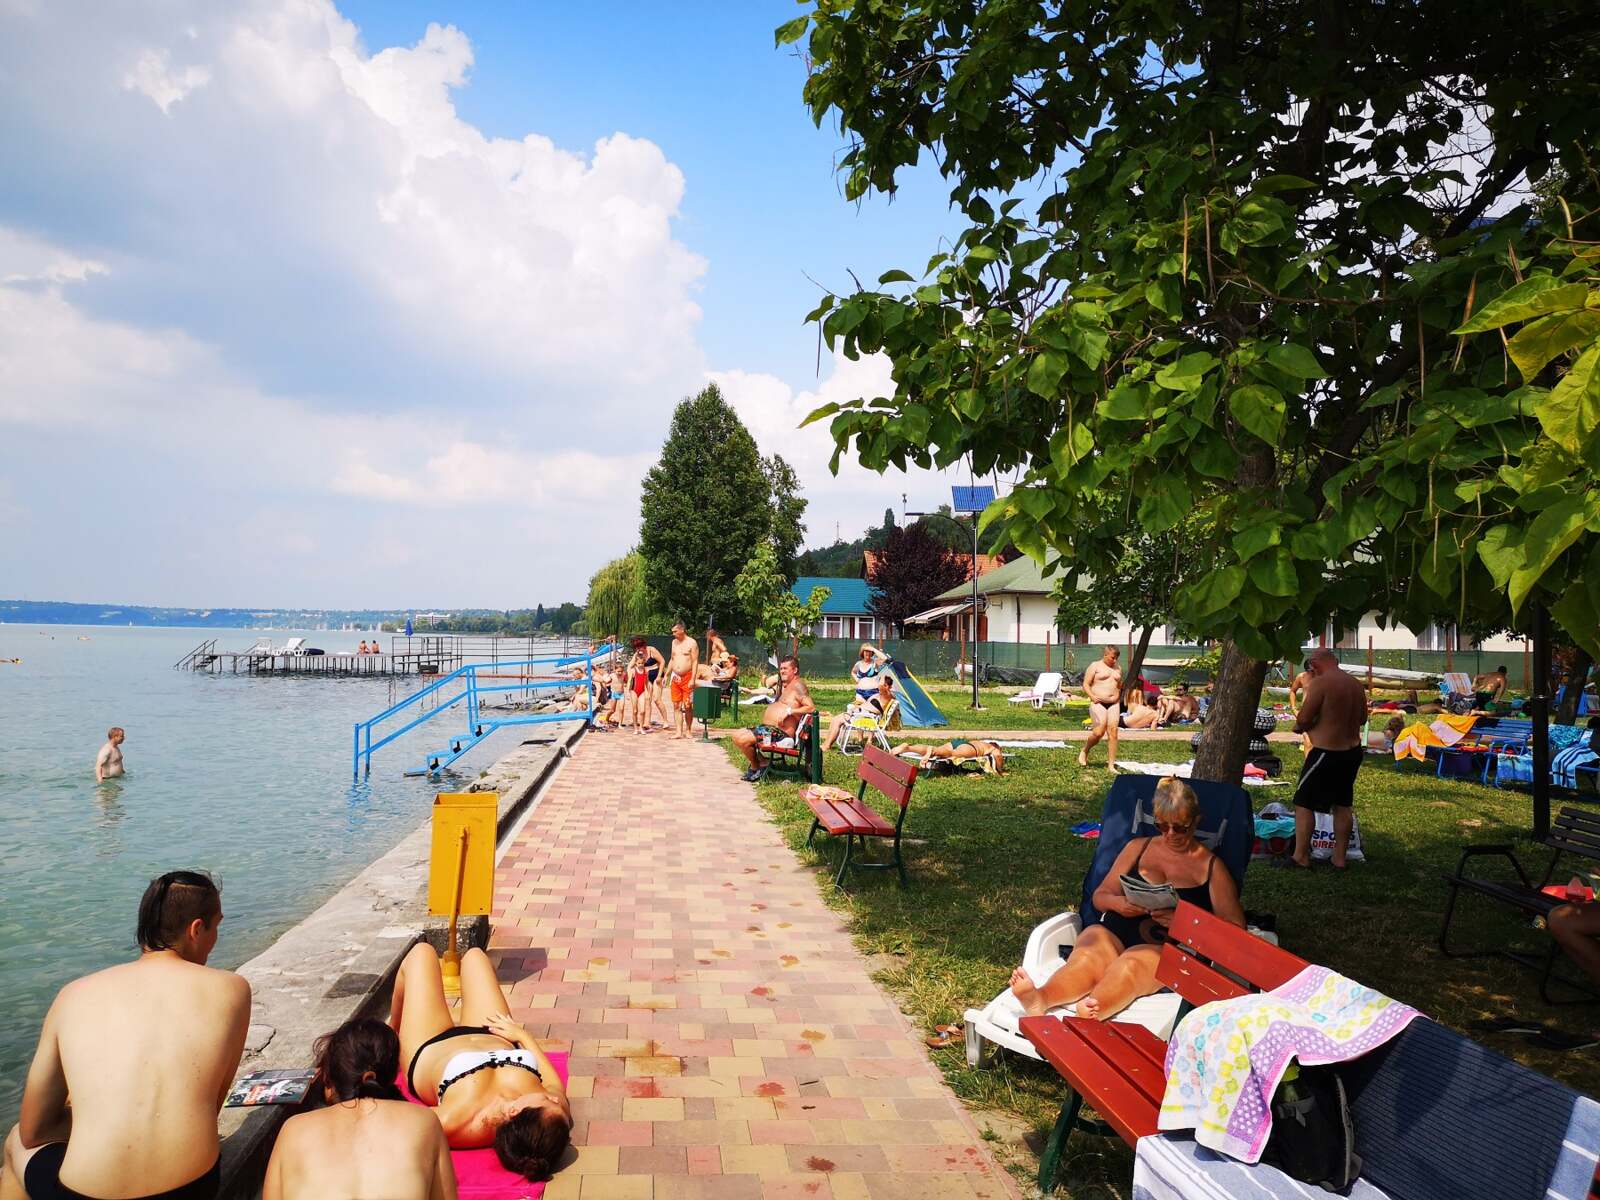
point(1046, 690)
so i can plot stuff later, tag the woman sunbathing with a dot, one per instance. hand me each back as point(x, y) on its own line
point(987, 755)
point(487, 1077)
point(367, 1141)
point(873, 706)
point(1114, 962)
point(1136, 712)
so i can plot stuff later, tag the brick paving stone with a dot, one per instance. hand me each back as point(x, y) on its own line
point(727, 1040)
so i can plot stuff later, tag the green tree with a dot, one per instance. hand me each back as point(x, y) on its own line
point(778, 613)
point(705, 504)
point(1139, 588)
point(788, 530)
point(1260, 226)
point(618, 602)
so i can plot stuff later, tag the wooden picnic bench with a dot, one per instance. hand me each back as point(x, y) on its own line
point(1437, 1116)
point(893, 779)
point(1575, 832)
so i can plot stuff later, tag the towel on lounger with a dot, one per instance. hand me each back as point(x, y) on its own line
point(479, 1174)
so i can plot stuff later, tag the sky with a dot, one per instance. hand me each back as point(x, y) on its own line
point(388, 302)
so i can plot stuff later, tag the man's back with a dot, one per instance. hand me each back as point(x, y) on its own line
point(1340, 703)
point(147, 1050)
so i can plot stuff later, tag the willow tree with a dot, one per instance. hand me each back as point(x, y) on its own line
point(1213, 258)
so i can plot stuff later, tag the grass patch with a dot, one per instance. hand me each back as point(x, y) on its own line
point(955, 703)
point(991, 857)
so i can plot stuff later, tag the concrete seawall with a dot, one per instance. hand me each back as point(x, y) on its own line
point(340, 960)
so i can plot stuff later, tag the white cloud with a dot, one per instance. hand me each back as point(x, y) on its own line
point(152, 75)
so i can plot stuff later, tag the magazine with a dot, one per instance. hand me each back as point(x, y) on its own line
point(1147, 895)
point(271, 1087)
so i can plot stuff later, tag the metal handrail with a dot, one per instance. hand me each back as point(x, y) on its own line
point(472, 689)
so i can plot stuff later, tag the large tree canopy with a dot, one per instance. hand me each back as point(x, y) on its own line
point(706, 505)
point(1251, 230)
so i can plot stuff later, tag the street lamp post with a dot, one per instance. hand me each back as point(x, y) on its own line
point(972, 619)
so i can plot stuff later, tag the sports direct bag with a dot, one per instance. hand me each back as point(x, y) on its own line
point(1322, 838)
point(1313, 1138)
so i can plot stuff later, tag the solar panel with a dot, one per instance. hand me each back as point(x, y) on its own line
point(972, 499)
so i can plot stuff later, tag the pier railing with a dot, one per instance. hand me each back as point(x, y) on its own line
point(464, 689)
point(205, 652)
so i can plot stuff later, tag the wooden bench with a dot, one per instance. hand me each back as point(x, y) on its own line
point(1119, 1069)
point(1437, 1116)
point(1575, 832)
point(890, 777)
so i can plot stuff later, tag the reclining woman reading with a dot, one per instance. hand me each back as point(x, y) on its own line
point(488, 1079)
point(1114, 962)
point(368, 1141)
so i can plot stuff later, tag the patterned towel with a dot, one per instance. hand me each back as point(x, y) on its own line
point(1225, 1058)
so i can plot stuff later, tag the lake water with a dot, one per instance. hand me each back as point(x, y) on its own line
point(248, 778)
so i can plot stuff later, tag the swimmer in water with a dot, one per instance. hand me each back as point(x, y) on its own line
point(108, 763)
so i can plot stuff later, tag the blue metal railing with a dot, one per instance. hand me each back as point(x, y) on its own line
point(472, 689)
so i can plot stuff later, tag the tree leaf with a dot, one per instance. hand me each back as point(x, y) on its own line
point(1045, 372)
point(790, 31)
point(982, 254)
point(1185, 374)
point(1570, 414)
point(1295, 360)
point(1280, 183)
point(1552, 531)
point(1575, 613)
point(896, 277)
point(1164, 506)
point(816, 414)
point(1274, 573)
point(1215, 590)
point(1250, 542)
point(1532, 298)
point(1259, 409)
point(1126, 402)
point(1537, 342)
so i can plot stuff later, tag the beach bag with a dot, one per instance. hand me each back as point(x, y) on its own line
point(1322, 838)
point(1313, 1137)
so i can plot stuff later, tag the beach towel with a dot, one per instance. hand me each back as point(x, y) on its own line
point(478, 1172)
point(1226, 1058)
point(1443, 730)
point(1252, 778)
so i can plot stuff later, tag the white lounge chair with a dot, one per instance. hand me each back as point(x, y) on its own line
point(1046, 690)
point(869, 728)
point(261, 649)
point(294, 645)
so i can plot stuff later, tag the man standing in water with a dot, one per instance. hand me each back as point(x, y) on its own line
point(685, 658)
point(1334, 714)
point(1102, 683)
point(145, 1052)
point(108, 763)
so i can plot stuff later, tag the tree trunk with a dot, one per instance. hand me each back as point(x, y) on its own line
point(1230, 724)
point(1136, 658)
point(1577, 679)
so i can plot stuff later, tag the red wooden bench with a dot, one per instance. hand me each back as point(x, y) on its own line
point(797, 756)
point(1119, 1069)
point(892, 778)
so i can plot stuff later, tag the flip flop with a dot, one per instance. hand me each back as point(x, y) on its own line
point(944, 1035)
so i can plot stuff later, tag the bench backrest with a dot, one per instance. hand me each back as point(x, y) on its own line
point(1440, 1117)
point(888, 774)
point(1227, 828)
point(1575, 831)
point(1201, 946)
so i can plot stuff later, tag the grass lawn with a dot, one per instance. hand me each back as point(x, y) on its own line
point(991, 857)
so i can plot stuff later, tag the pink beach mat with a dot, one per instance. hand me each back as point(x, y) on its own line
point(478, 1172)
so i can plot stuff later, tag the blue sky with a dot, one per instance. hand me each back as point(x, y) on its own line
point(389, 303)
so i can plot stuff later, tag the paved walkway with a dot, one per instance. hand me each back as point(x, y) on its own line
point(727, 1041)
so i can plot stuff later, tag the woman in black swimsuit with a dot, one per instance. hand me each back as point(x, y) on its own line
point(1114, 962)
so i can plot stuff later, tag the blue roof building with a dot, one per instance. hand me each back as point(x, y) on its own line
point(844, 613)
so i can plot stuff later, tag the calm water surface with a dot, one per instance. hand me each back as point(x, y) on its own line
point(248, 778)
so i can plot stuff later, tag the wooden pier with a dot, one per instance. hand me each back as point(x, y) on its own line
point(435, 657)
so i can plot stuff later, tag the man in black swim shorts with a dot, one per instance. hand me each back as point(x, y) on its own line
point(1334, 715)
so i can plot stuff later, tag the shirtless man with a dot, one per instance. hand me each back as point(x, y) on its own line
point(1179, 706)
point(108, 763)
point(1489, 688)
point(134, 1063)
point(1334, 715)
point(685, 660)
point(1102, 683)
point(1297, 691)
point(782, 717)
point(716, 648)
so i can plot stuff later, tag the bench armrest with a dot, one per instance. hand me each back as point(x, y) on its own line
point(1501, 850)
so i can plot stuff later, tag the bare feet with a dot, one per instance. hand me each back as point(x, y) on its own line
point(1089, 1007)
point(1028, 995)
point(1083, 757)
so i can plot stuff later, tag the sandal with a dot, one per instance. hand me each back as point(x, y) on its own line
point(945, 1035)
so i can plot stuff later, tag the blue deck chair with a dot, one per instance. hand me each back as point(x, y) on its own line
point(1227, 827)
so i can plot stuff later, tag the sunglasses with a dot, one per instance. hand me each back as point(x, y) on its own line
point(1173, 827)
